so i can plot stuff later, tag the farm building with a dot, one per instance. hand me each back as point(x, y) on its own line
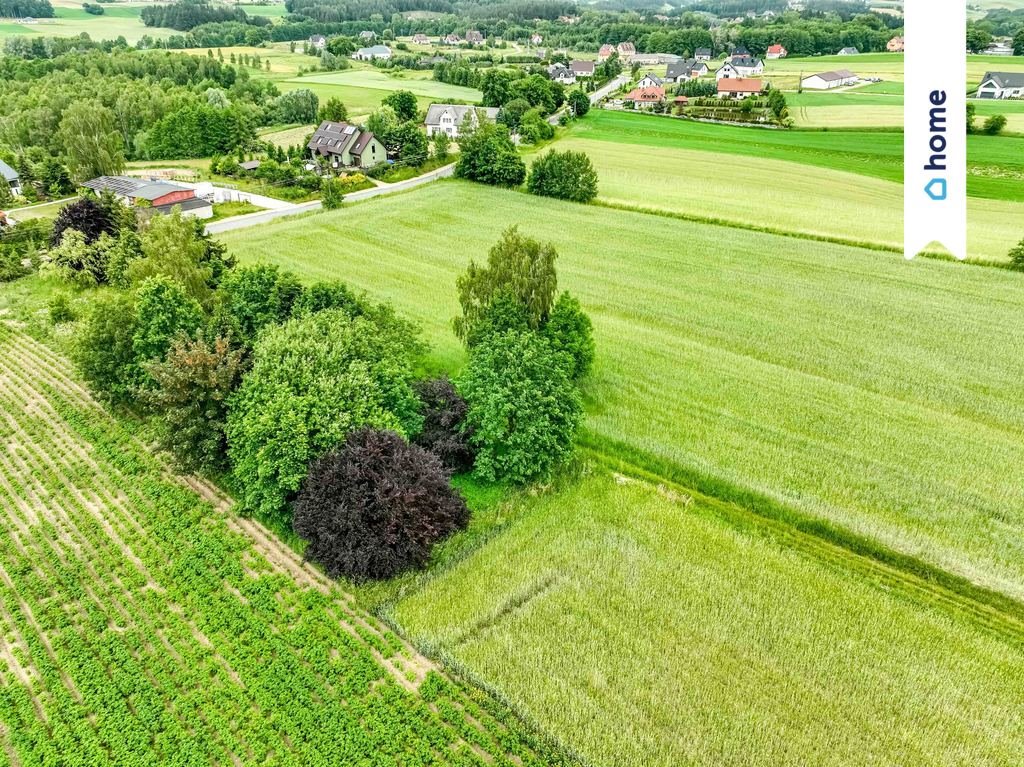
point(346, 146)
point(381, 52)
point(367, 36)
point(474, 37)
point(626, 50)
point(776, 52)
point(650, 80)
point(606, 52)
point(895, 45)
point(452, 39)
point(999, 48)
point(653, 59)
point(703, 54)
point(10, 175)
point(645, 97)
point(826, 80)
point(1001, 85)
point(449, 118)
point(849, 52)
point(738, 88)
point(421, 39)
point(158, 196)
point(582, 68)
point(536, 39)
point(561, 74)
point(317, 41)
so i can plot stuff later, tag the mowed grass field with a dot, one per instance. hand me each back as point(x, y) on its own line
point(142, 622)
point(118, 20)
point(362, 90)
point(838, 184)
point(884, 396)
point(651, 629)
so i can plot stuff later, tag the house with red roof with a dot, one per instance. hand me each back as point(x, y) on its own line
point(606, 52)
point(645, 98)
point(777, 52)
point(738, 88)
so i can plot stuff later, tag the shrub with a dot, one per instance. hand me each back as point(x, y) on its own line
point(519, 266)
point(375, 507)
point(1017, 257)
point(253, 297)
point(994, 125)
point(442, 146)
point(327, 295)
point(104, 348)
point(332, 193)
point(503, 312)
point(87, 215)
point(314, 379)
point(443, 433)
point(60, 309)
point(579, 103)
point(523, 408)
point(534, 127)
point(192, 388)
point(12, 264)
point(569, 330)
point(488, 155)
point(163, 310)
point(564, 175)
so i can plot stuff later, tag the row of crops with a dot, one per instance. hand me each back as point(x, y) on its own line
point(138, 626)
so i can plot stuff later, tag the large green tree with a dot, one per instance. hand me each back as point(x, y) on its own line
point(92, 145)
point(566, 175)
point(487, 155)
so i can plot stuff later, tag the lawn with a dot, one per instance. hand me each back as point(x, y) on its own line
point(731, 174)
point(144, 623)
point(884, 396)
point(229, 209)
point(651, 629)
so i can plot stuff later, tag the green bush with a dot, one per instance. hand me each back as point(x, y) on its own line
point(488, 155)
point(60, 309)
point(564, 175)
point(104, 349)
point(252, 297)
point(569, 330)
point(1017, 257)
point(332, 193)
point(163, 310)
point(523, 408)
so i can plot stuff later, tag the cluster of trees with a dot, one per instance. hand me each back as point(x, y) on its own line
point(20, 247)
point(993, 125)
point(998, 21)
point(19, 9)
point(187, 14)
point(397, 125)
point(1017, 257)
point(41, 175)
point(93, 110)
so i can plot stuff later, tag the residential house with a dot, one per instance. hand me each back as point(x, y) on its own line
point(626, 50)
point(421, 39)
point(367, 36)
point(451, 118)
point(738, 88)
point(341, 145)
point(473, 37)
point(561, 74)
point(536, 39)
point(703, 54)
point(1001, 85)
point(747, 66)
point(153, 195)
point(10, 175)
point(777, 52)
point(569, 19)
point(250, 164)
point(373, 52)
point(849, 52)
point(827, 80)
point(582, 68)
point(452, 39)
point(682, 71)
point(895, 45)
point(726, 72)
point(740, 51)
point(999, 48)
point(645, 98)
point(650, 80)
point(317, 41)
point(606, 52)
point(654, 59)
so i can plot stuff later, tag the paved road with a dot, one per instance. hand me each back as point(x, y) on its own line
point(610, 88)
point(265, 216)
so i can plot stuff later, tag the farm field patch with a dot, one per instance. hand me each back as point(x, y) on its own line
point(654, 629)
point(143, 623)
point(884, 396)
point(121, 20)
point(374, 80)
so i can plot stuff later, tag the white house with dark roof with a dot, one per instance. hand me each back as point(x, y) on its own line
point(1001, 85)
point(746, 66)
point(561, 74)
point(317, 41)
point(341, 145)
point(681, 71)
point(582, 68)
point(650, 80)
point(451, 118)
point(827, 80)
point(702, 54)
point(381, 52)
point(10, 175)
point(851, 51)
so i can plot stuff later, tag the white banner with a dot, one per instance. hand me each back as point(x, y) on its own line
point(935, 126)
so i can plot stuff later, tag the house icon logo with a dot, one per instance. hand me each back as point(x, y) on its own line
point(936, 189)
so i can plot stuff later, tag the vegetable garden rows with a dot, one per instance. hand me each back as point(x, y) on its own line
point(141, 624)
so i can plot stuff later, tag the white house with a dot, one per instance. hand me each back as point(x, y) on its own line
point(849, 52)
point(777, 52)
point(726, 71)
point(826, 80)
point(747, 66)
point(318, 42)
point(561, 74)
point(702, 54)
point(373, 52)
point(998, 85)
point(450, 118)
point(650, 80)
point(10, 175)
point(582, 68)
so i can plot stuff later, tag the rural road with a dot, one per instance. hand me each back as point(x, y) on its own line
point(265, 216)
point(611, 87)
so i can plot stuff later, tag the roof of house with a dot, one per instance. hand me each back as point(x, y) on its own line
point(557, 70)
point(746, 61)
point(333, 138)
point(250, 165)
point(702, 52)
point(848, 51)
point(374, 50)
point(1001, 80)
point(317, 38)
point(740, 50)
point(361, 143)
point(474, 35)
point(680, 68)
point(8, 173)
point(654, 93)
point(607, 48)
point(650, 75)
point(435, 111)
point(582, 67)
point(136, 188)
point(193, 203)
point(367, 35)
point(627, 48)
point(739, 85)
point(839, 74)
point(775, 49)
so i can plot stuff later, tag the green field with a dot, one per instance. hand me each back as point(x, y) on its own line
point(120, 20)
point(884, 396)
point(649, 628)
point(840, 184)
point(362, 90)
point(142, 622)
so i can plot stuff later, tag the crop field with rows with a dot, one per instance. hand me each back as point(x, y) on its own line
point(141, 623)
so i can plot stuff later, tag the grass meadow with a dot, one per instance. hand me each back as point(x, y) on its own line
point(651, 628)
point(883, 396)
point(843, 184)
point(120, 20)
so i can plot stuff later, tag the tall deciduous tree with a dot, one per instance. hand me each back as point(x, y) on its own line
point(92, 145)
point(487, 155)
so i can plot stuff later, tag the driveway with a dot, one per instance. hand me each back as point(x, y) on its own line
point(265, 216)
